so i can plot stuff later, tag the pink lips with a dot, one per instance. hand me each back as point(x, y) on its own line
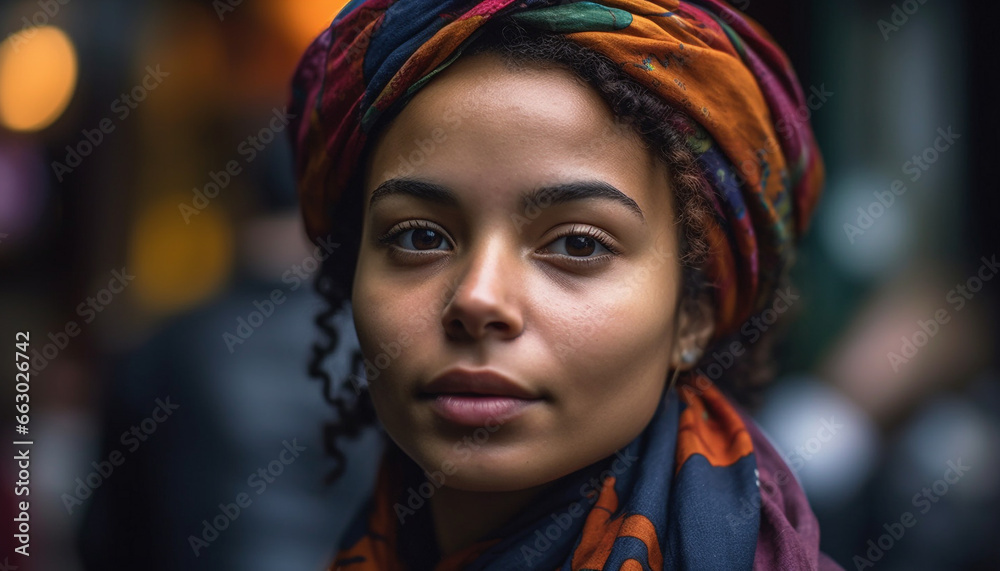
point(476, 398)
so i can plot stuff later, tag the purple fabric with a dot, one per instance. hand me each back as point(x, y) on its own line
point(789, 532)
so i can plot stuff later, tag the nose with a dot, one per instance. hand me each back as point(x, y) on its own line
point(483, 301)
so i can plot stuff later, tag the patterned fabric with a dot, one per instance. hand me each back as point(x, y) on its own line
point(715, 65)
point(684, 494)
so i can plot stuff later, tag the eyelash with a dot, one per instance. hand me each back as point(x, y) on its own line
point(389, 237)
point(600, 237)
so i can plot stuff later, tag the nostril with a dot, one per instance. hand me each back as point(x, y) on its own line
point(457, 329)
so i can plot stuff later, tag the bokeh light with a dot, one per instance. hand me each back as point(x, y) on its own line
point(178, 265)
point(303, 20)
point(38, 71)
point(24, 188)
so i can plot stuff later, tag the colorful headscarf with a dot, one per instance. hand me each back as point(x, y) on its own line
point(699, 488)
point(742, 102)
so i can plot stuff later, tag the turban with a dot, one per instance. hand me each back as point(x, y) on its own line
point(744, 110)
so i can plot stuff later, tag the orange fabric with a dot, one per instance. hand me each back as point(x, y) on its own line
point(600, 532)
point(711, 427)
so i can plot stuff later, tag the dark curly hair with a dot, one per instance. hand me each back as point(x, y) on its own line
point(633, 105)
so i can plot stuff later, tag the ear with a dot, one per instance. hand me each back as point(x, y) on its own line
point(696, 323)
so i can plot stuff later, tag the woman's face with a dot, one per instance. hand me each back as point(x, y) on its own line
point(571, 295)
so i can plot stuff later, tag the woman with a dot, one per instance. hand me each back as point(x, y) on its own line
point(553, 221)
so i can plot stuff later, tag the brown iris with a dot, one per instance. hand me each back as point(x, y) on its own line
point(425, 237)
point(580, 245)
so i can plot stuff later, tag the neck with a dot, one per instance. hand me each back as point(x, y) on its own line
point(462, 518)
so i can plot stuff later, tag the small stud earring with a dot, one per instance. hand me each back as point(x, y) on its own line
point(689, 356)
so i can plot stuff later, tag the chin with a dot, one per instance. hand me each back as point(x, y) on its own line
point(483, 470)
point(492, 480)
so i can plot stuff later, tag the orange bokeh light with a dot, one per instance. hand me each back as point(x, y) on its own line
point(38, 72)
point(303, 20)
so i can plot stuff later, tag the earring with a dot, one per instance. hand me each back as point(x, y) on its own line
point(689, 356)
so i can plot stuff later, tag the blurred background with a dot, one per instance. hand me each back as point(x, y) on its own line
point(150, 244)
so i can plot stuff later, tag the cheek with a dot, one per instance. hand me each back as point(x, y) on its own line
point(386, 340)
point(612, 339)
point(394, 322)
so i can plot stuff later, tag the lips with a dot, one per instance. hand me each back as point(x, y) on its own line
point(476, 383)
point(478, 398)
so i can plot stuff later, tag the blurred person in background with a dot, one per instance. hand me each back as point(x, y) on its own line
point(165, 161)
point(232, 478)
point(246, 423)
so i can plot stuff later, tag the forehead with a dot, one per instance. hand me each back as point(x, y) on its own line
point(481, 124)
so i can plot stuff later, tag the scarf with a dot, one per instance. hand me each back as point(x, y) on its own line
point(740, 106)
point(699, 488)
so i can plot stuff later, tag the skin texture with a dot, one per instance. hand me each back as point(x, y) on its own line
point(494, 285)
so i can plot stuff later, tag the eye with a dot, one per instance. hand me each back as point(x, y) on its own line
point(578, 245)
point(583, 243)
point(415, 235)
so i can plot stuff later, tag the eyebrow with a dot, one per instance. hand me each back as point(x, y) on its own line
point(552, 194)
